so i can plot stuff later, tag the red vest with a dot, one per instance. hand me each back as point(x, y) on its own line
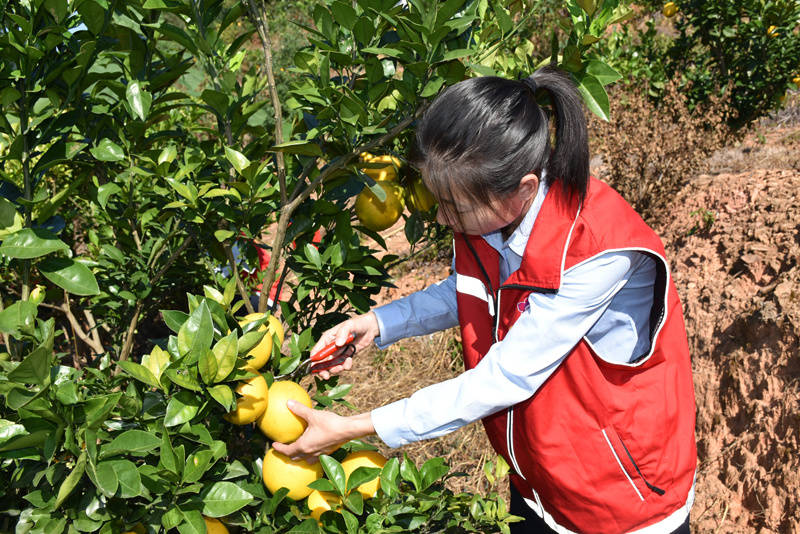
point(600, 447)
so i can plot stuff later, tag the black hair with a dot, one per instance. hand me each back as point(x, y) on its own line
point(482, 135)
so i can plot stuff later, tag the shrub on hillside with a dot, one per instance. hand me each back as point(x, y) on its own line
point(650, 150)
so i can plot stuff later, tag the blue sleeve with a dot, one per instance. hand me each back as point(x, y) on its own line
point(514, 368)
point(424, 312)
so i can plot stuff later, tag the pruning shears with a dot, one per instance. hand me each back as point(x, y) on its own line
point(315, 364)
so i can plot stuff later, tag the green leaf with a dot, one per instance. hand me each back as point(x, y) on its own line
point(222, 235)
point(181, 408)
point(106, 479)
point(207, 366)
point(362, 475)
point(604, 73)
point(226, 351)
point(223, 395)
point(72, 479)
point(344, 14)
point(130, 441)
point(156, 362)
point(410, 473)
point(98, 408)
point(196, 465)
point(70, 275)
point(105, 191)
point(31, 243)
point(237, 159)
point(34, 369)
point(174, 319)
point(10, 220)
point(456, 54)
point(197, 332)
point(335, 473)
point(304, 148)
point(93, 14)
point(594, 95)
point(355, 502)
point(140, 373)
point(10, 430)
point(139, 100)
point(432, 470)
point(107, 150)
point(17, 318)
point(224, 498)
point(168, 155)
point(130, 481)
point(389, 477)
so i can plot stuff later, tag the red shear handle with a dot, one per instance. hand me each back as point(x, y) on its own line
point(330, 349)
point(349, 350)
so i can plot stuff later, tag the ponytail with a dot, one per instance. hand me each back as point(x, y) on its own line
point(482, 135)
point(569, 161)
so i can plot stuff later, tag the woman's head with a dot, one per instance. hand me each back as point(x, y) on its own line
point(480, 137)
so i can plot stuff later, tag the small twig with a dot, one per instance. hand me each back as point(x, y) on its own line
point(76, 327)
point(262, 25)
point(5, 336)
point(239, 283)
point(724, 516)
point(127, 345)
point(92, 326)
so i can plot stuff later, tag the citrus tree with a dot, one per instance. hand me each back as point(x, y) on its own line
point(137, 160)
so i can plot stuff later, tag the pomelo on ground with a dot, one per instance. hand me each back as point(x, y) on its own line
point(280, 471)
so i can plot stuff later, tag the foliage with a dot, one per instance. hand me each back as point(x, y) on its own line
point(96, 451)
point(137, 156)
point(747, 51)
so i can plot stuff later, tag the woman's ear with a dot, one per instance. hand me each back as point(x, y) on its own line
point(528, 185)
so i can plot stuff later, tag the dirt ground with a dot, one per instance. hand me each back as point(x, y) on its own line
point(733, 239)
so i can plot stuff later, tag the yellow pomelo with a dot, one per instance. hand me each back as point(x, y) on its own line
point(421, 199)
point(215, 526)
point(320, 502)
point(388, 172)
point(259, 355)
point(251, 402)
point(377, 215)
point(669, 9)
point(280, 471)
point(354, 460)
point(278, 423)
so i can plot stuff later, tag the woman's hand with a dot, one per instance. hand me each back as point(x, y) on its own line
point(364, 329)
point(325, 433)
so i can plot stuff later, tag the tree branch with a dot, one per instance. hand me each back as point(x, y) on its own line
point(97, 348)
point(258, 14)
point(127, 345)
point(301, 195)
point(239, 283)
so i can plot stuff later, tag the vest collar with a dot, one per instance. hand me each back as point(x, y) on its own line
point(546, 249)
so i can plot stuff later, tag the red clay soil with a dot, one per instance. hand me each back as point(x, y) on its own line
point(733, 240)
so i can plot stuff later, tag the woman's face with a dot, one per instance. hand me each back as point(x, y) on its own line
point(466, 215)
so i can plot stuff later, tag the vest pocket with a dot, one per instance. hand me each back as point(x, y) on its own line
point(628, 466)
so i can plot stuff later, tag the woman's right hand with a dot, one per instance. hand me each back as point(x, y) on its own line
point(364, 329)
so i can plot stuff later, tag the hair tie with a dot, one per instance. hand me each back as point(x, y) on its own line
point(530, 85)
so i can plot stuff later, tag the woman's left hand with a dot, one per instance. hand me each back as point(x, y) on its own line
point(325, 433)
